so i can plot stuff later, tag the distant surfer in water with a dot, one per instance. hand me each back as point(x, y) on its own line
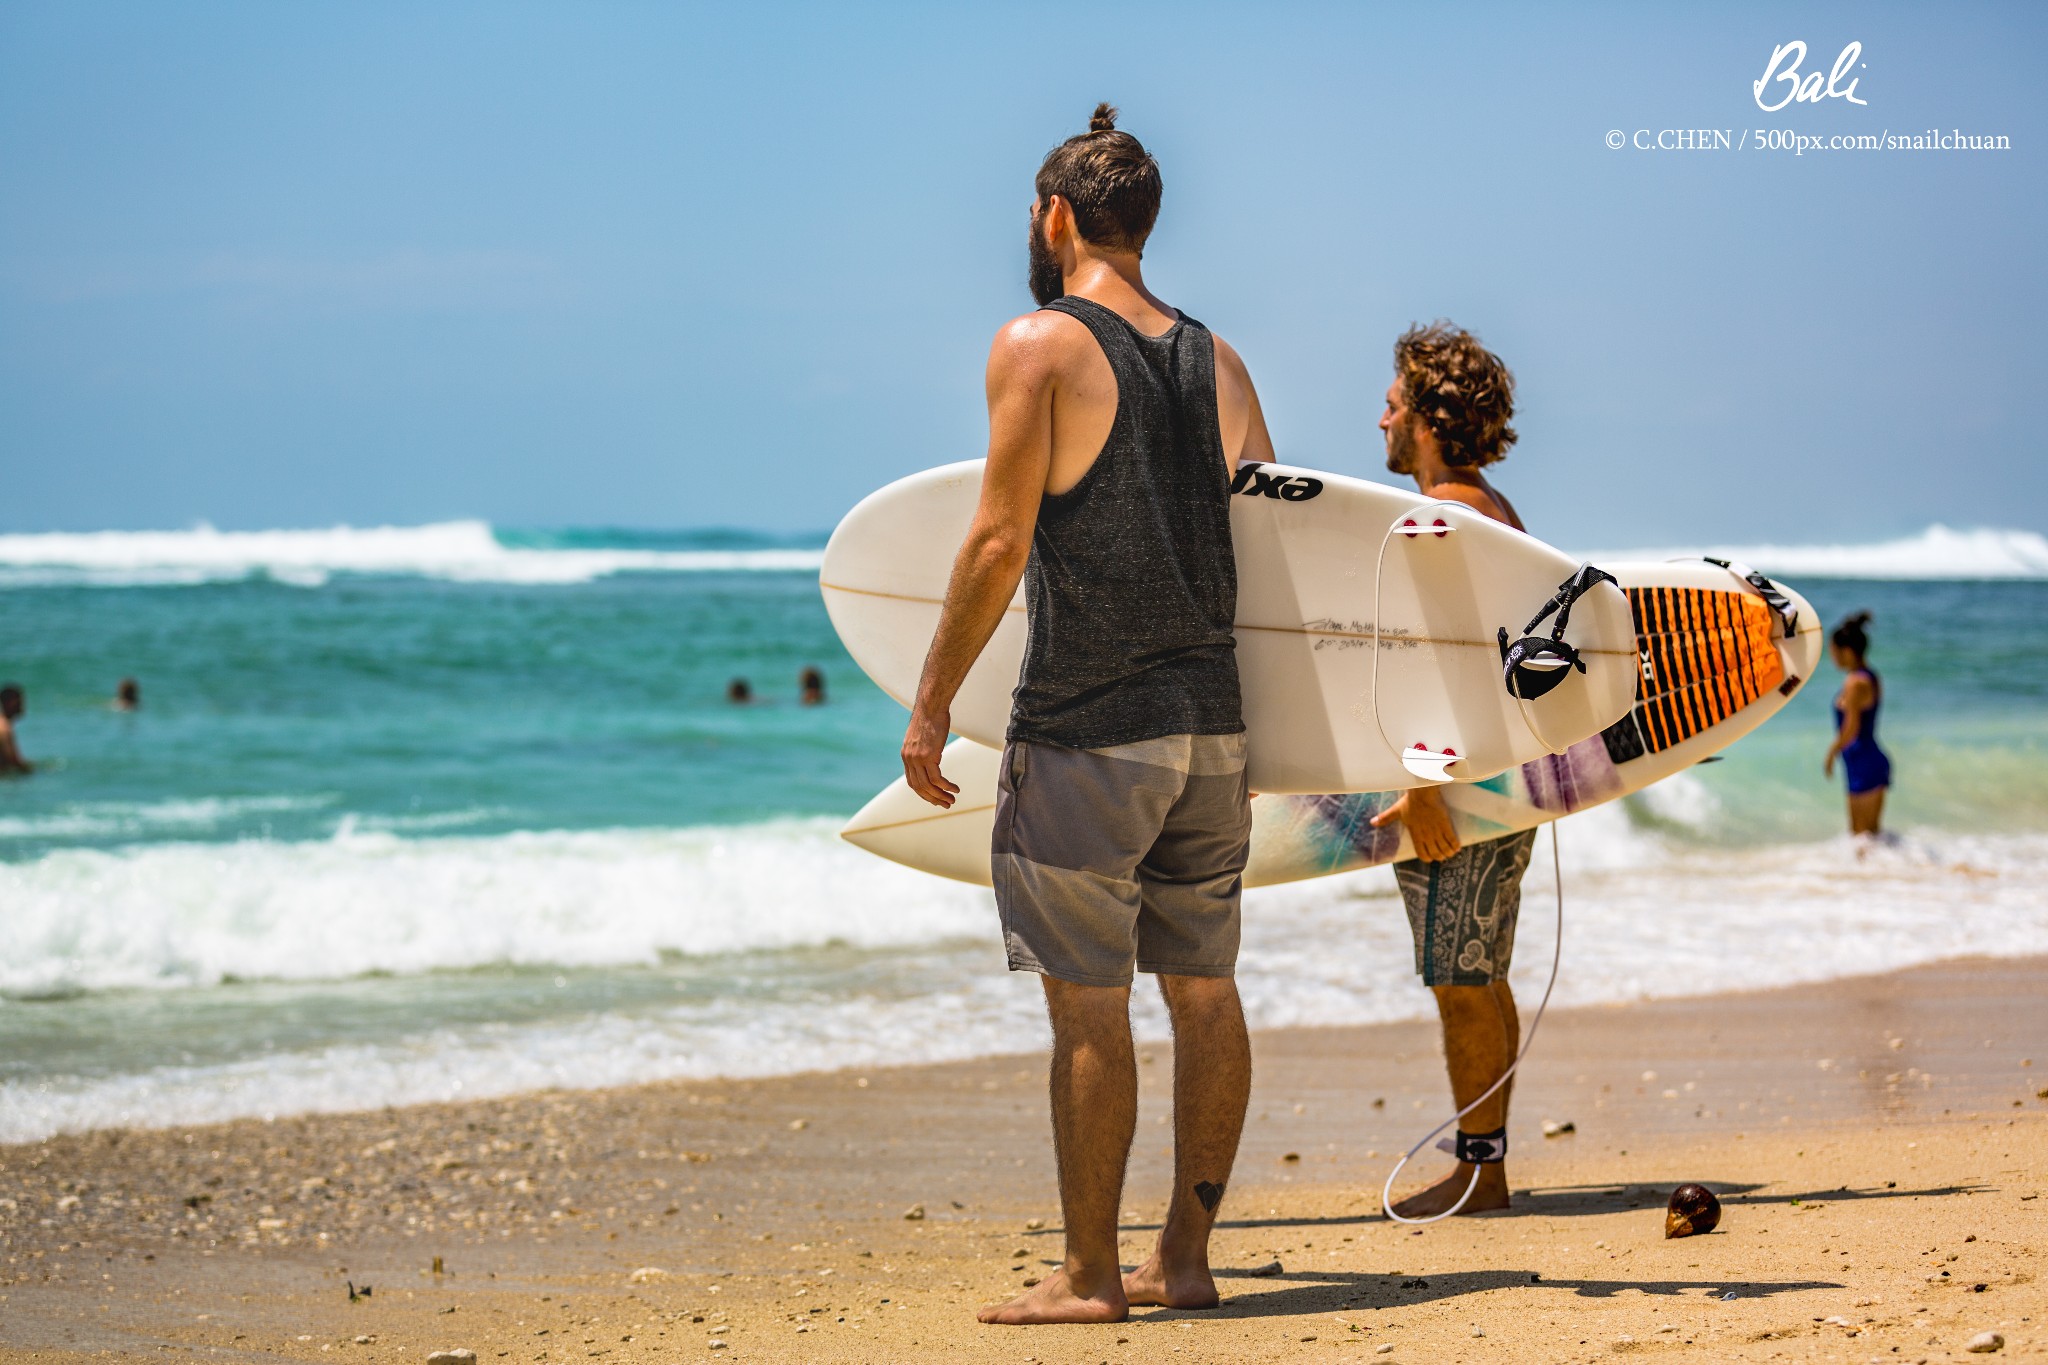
point(1865, 765)
point(1122, 820)
point(811, 687)
point(1446, 420)
point(12, 704)
point(128, 695)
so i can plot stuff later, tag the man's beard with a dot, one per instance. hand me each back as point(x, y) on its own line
point(1400, 448)
point(1047, 283)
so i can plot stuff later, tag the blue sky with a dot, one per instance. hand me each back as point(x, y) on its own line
point(660, 265)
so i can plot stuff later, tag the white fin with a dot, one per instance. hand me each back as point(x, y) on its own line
point(1427, 764)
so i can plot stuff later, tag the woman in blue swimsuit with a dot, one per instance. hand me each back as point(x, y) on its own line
point(1863, 763)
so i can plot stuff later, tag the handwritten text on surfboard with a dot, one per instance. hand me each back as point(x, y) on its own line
point(1254, 482)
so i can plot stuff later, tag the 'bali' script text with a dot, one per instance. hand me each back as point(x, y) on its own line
point(1810, 88)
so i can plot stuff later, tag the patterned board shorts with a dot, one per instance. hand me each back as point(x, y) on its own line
point(1462, 911)
point(1128, 857)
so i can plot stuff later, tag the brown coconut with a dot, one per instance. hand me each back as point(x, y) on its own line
point(1693, 1210)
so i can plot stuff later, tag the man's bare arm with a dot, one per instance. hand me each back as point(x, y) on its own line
point(1244, 422)
point(1021, 371)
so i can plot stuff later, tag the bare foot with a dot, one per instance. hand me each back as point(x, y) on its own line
point(1053, 1300)
point(1151, 1286)
point(1491, 1194)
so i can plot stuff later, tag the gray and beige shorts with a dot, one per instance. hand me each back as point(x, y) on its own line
point(1462, 911)
point(1129, 857)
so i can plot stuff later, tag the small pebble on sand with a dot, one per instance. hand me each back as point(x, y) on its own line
point(914, 1213)
point(457, 1356)
point(1984, 1343)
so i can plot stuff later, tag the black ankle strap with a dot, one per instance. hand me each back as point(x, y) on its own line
point(1483, 1149)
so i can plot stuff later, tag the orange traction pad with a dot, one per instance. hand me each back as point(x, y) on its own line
point(1702, 656)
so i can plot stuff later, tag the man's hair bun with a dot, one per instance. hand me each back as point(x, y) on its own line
point(1108, 179)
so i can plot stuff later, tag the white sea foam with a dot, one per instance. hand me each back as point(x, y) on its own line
point(1938, 552)
point(150, 819)
point(1645, 916)
point(978, 1016)
point(464, 551)
point(193, 914)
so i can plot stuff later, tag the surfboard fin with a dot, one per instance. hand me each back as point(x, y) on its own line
point(1427, 764)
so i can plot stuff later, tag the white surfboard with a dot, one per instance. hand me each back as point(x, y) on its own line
point(1716, 663)
point(1366, 627)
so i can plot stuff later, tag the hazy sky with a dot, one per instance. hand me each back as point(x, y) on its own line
point(650, 264)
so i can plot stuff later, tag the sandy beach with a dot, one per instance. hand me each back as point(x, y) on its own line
point(1879, 1144)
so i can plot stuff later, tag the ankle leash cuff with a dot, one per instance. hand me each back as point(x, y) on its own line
point(1483, 1149)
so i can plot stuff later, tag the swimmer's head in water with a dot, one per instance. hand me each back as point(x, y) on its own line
point(128, 693)
point(1449, 385)
point(1111, 188)
point(739, 690)
point(11, 701)
point(1851, 641)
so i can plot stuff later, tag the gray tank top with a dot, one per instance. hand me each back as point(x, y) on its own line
point(1132, 588)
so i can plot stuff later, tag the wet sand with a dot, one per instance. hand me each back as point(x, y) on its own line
point(1880, 1145)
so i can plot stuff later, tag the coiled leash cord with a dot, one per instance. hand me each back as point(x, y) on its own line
point(1556, 956)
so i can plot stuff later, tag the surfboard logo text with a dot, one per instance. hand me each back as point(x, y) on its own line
point(1253, 482)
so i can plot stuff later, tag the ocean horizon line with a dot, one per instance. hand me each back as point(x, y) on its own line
point(475, 550)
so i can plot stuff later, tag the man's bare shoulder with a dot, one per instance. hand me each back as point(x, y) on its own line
point(1229, 364)
point(1478, 499)
point(1040, 340)
point(1233, 376)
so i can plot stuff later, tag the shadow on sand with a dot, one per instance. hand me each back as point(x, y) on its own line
point(1568, 1201)
point(1319, 1291)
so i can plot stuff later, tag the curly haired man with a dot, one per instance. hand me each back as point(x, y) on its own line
point(1446, 421)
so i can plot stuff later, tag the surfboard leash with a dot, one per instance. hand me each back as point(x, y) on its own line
point(1529, 1040)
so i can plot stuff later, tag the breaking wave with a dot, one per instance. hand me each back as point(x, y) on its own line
point(475, 552)
point(459, 551)
point(1935, 553)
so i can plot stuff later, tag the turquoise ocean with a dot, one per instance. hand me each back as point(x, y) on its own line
point(432, 812)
